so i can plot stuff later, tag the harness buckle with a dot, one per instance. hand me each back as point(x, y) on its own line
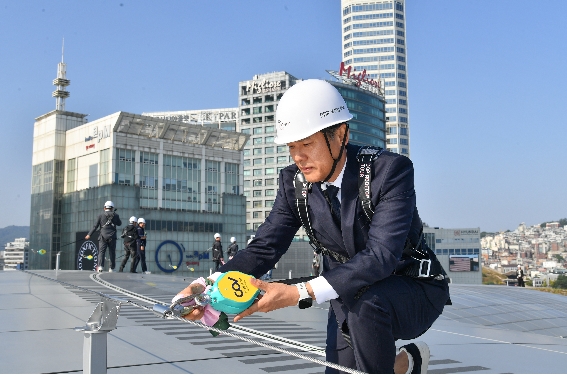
point(424, 268)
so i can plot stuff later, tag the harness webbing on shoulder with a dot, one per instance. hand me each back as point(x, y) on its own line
point(302, 188)
point(366, 156)
point(425, 265)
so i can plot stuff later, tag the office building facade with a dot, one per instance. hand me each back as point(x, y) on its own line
point(374, 45)
point(184, 178)
point(459, 251)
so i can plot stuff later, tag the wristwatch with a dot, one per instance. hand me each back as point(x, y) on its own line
point(303, 293)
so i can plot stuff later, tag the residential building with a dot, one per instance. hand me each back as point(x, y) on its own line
point(374, 44)
point(15, 253)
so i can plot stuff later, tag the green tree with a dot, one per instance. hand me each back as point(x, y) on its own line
point(559, 258)
point(560, 283)
point(563, 221)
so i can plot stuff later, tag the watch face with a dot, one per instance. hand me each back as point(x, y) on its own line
point(88, 256)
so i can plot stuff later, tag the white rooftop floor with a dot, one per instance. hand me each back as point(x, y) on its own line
point(489, 329)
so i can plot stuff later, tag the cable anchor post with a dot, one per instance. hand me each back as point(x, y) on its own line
point(103, 320)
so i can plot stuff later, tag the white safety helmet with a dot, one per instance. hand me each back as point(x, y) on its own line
point(232, 239)
point(141, 220)
point(217, 235)
point(109, 205)
point(307, 108)
point(133, 219)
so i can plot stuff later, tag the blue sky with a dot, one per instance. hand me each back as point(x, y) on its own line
point(486, 83)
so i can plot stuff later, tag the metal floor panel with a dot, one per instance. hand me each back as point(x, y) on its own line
point(478, 334)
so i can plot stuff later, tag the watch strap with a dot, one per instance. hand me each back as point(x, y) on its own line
point(303, 293)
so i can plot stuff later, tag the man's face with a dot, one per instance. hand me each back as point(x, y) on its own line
point(142, 225)
point(312, 155)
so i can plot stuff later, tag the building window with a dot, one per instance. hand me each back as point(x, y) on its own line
point(245, 101)
point(404, 141)
point(257, 130)
point(269, 203)
point(257, 120)
point(257, 182)
point(256, 204)
point(269, 192)
point(257, 161)
point(256, 214)
point(270, 160)
point(247, 183)
point(256, 140)
point(257, 172)
point(269, 150)
point(269, 171)
point(282, 159)
point(257, 100)
point(246, 162)
point(181, 188)
point(282, 149)
point(257, 151)
point(269, 108)
point(232, 179)
point(257, 110)
point(246, 172)
point(270, 129)
point(268, 98)
point(403, 131)
point(246, 152)
point(269, 139)
point(392, 130)
point(269, 182)
point(71, 174)
point(257, 193)
point(212, 183)
point(392, 141)
point(148, 179)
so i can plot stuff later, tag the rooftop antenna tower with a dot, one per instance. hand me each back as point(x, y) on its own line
point(61, 82)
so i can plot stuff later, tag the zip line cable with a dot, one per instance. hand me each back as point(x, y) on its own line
point(237, 328)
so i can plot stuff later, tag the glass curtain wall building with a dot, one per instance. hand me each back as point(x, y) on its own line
point(374, 40)
point(184, 179)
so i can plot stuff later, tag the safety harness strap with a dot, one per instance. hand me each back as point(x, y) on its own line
point(366, 156)
point(302, 188)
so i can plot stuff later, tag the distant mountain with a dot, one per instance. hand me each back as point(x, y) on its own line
point(8, 234)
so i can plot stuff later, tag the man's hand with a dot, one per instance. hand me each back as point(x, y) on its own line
point(142, 248)
point(87, 237)
point(198, 312)
point(277, 295)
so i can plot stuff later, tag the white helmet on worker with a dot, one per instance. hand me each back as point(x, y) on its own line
point(133, 219)
point(232, 239)
point(109, 205)
point(217, 235)
point(307, 108)
point(141, 220)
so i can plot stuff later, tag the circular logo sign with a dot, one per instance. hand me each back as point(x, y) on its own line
point(88, 256)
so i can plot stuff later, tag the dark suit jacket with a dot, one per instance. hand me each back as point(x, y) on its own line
point(375, 248)
point(107, 232)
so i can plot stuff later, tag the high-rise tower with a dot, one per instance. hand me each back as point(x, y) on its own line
point(61, 82)
point(48, 163)
point(374, 40)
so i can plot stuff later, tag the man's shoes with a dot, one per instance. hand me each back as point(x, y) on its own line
point(120, 270)
point(147, 272)
point(419, 352)
point(110, 270)
point(99, 269)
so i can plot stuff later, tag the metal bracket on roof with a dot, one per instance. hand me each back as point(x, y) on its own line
point(103, 320)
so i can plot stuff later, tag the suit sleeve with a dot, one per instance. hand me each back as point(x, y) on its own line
point(95, 227)
point(394, 196)
point(274, 236)
point(117, 220)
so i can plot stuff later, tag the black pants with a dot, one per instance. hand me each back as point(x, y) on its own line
point(521, 282)
point(218, 264)
point(394, 308)
point(140, 256)
point(129, 250)
point(102, 246)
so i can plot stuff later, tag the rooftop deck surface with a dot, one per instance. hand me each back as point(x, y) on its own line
point(488, 329)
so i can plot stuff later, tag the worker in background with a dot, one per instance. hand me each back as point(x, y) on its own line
point(106, 222)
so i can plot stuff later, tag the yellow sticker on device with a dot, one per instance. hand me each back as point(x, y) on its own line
point(236, 286)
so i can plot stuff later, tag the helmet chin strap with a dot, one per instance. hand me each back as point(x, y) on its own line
point(335, 161)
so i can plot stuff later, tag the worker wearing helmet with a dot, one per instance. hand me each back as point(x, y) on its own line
point(141, 248)
point(217, 252)
point(232, 248)
point(106, 222)
point(374, 297)
point(130, 236)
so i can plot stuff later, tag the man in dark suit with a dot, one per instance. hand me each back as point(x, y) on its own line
point(107, 222)
point(367, 265)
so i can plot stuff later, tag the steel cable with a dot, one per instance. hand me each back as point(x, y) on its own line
point(280, 340)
